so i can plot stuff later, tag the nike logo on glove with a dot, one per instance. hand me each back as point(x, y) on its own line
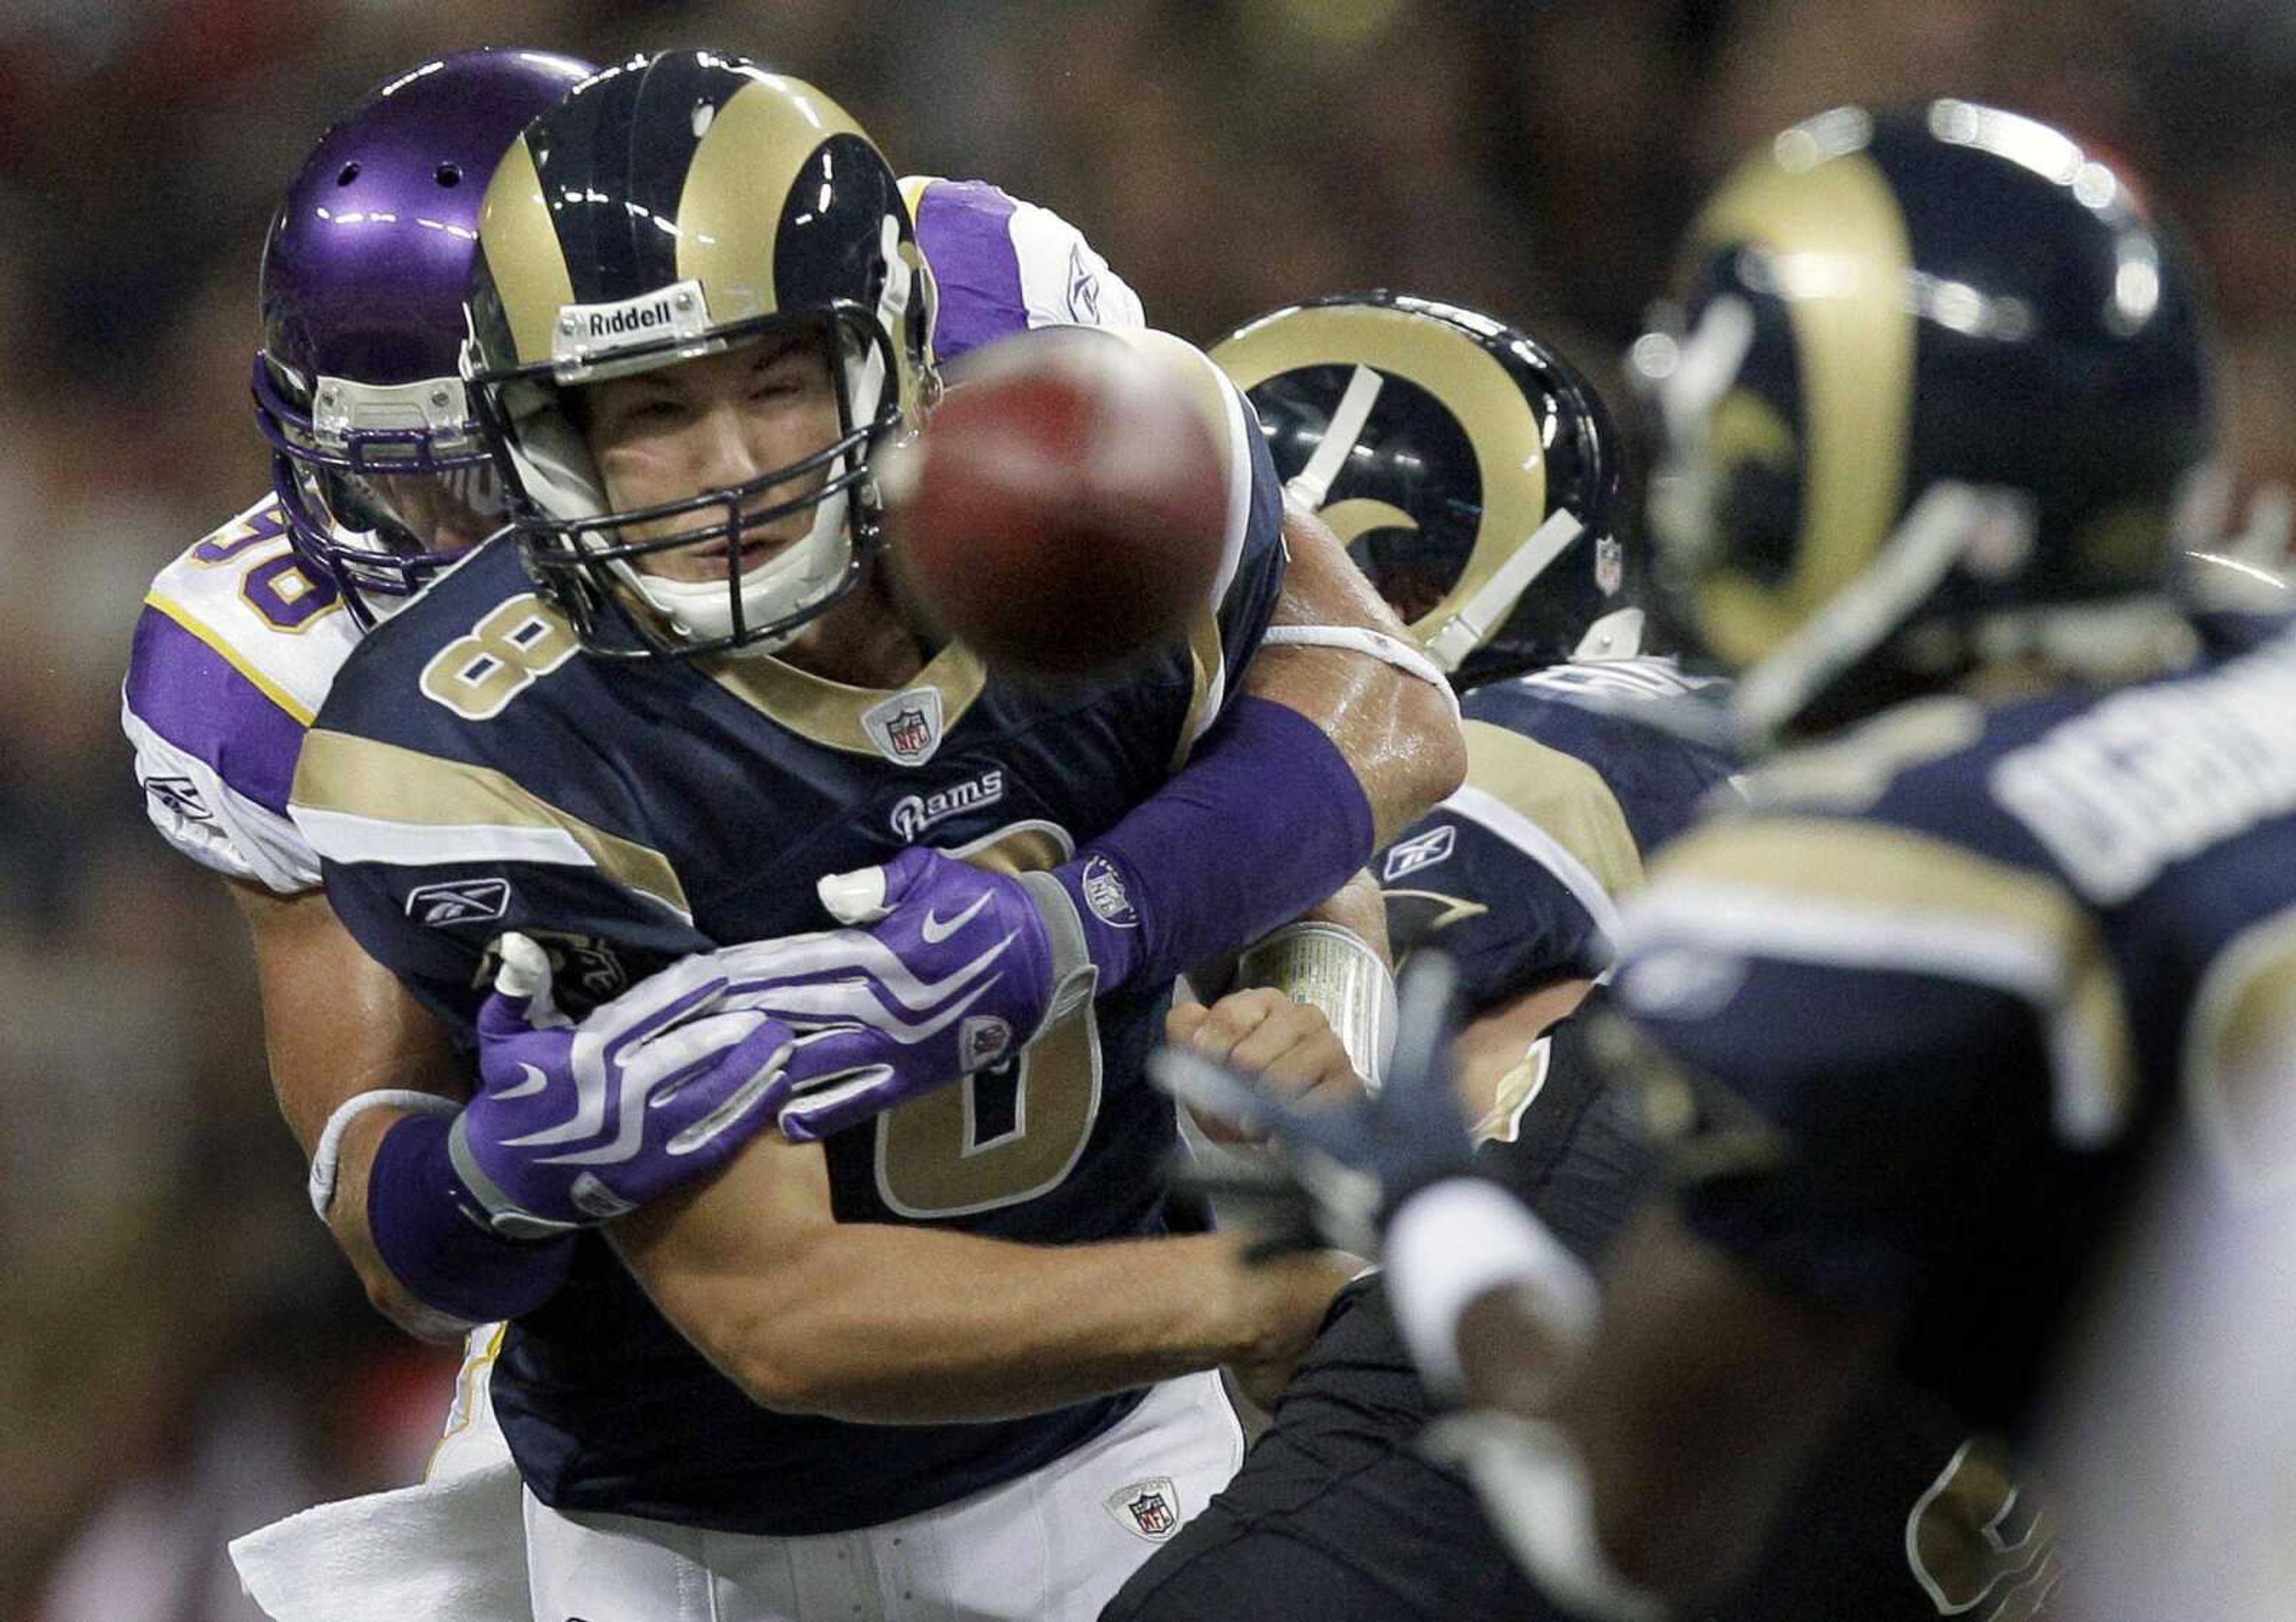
point(935, 932)
point(534, 1082)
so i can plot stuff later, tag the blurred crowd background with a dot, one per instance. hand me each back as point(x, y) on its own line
point(182, 1356)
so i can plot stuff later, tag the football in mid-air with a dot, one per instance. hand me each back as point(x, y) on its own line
point(1064, 508)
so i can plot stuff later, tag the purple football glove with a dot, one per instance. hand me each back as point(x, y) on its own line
point(574, 1123)
point(948, 968)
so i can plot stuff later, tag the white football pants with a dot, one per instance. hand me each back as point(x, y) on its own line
point(1055, 1545)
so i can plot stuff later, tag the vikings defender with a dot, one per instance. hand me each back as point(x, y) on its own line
point(1479, 473)
point(380, 481)
point(699, 312)
point(2018, 894)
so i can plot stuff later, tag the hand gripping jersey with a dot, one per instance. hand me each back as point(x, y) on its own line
point(472, 773)
point(238, 643)
point(1961, 965)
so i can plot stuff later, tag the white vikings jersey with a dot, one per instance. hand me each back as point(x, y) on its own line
point(1003, 265)
point(238, 642)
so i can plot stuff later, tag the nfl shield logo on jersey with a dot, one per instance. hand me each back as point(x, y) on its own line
point(1151, 1508)
point(906, 727)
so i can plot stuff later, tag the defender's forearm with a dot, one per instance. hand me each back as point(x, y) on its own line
point(336, 1024)
point(1399, 733)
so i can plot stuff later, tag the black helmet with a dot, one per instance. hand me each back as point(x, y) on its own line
point(669, 208)
point(1934, 389)
point(1473, 473)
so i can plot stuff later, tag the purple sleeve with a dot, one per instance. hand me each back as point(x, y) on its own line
point(1265, 821)
point(197, 700)
point(964, 230)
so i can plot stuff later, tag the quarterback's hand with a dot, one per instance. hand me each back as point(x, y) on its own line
point(944, 968)
point(1345, 1165)
point(574, 1123)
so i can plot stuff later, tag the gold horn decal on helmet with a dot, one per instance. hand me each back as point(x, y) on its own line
point(1361, 514)
point(1835, 242)
point(524, 255)
point(1497, 420)
point(755, 147)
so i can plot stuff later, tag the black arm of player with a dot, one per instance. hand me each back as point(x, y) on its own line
point(1696, 1404)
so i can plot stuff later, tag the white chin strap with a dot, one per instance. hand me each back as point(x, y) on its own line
point(793, 578)
point(1943, 527)
point(1464, 629)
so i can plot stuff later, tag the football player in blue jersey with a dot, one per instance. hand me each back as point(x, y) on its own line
point(1477, 473)
point(2016, 889)
point(382, 482)
point(698, 315)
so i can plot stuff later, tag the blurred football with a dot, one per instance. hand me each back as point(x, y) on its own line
point(1063, 510)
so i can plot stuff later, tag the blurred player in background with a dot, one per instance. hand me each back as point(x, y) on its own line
point(1438, 436)
point(1936, 397)
point(1476, 477)
point(2172, 1440)
point(699, 313)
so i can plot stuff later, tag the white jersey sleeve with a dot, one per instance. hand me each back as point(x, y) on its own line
point(1003, 265)
point(234, 653)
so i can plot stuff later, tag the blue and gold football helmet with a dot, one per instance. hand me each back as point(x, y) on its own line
point(1473, 473)
point(675, 206)
point(1933, 391)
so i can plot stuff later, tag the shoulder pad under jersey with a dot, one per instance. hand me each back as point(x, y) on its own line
point(1910, 848)
point(1647, 729)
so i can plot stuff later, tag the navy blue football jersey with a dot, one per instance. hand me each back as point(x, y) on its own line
point(1571, 783)
point(1950, 971)
point(472, 773)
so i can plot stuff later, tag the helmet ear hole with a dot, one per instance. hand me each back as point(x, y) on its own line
point(448, 174)
point(348, 173)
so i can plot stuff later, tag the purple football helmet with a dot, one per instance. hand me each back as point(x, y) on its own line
point(382, 473)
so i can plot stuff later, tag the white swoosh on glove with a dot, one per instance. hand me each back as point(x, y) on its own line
point(535, 1081)
point(935, 932)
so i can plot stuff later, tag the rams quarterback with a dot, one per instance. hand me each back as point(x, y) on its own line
point(699, 313)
